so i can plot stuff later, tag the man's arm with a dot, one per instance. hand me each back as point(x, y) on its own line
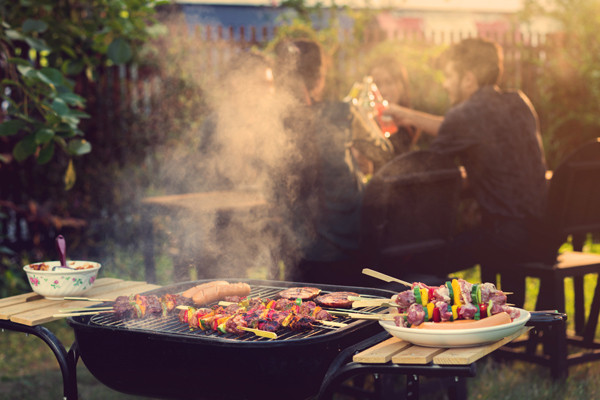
point(428, 123)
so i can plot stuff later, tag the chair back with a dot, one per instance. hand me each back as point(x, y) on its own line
point(574, 193)
point(410, 206)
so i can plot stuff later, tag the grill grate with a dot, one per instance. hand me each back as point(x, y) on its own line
point(172, 325)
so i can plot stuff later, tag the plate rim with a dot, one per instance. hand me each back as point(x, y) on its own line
point(390, 327)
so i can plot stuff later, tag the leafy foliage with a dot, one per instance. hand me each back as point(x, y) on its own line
point(43, 45)
point(569, 79)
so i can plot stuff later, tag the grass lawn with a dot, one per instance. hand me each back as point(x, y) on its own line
point(28, 369)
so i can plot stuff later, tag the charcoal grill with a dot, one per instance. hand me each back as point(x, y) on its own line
point(161, 357)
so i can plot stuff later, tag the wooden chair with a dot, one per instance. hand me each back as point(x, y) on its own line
point(573, 209)
point(409, 207)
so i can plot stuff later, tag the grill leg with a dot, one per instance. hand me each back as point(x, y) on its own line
point(412, 387)
point(458, 391)
point(66, 363)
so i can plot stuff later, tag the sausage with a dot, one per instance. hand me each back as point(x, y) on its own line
point(496, 319)
point(219, 292)
point(194, 289)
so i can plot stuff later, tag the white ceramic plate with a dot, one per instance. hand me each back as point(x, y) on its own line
point(456, 337)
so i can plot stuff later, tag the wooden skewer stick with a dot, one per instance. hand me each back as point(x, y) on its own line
point(358, 301)
point(83, 309)
point(77, 314)
point(332, 323)
point(359, 304)
point(258, 332)
point(379, 317)
point(363, 298)
point(86, 299)
point(384, 277)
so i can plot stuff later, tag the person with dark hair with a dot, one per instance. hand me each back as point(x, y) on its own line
point(495, 135)
point(321, 187)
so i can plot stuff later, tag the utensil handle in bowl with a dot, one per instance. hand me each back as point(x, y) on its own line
point(61, 246)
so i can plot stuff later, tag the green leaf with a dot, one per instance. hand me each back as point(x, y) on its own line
point(6, 250)
point(8, 82)
point(24, 148)
point(72, 67)
point(12, 127)
point(43, 135)
point(46, 154)
point(78, 114)
point(25, 70)
point(119, 51)
point(60, 107)
point(79, 147)
point(37, 44)
point(18, 61)
point(34, 25)
point(14, 35)
point(72, 99)
point(70, 176)
point(53, 75)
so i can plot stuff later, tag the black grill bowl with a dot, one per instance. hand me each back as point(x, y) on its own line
point(194, 365)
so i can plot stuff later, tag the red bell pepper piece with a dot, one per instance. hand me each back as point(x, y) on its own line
point(437, 317)
point(483, 308)
point(431, 293)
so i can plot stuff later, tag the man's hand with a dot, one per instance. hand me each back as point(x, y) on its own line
point(404, 116)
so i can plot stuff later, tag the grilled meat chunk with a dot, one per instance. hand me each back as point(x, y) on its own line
point(336, 299)
point(303, 293)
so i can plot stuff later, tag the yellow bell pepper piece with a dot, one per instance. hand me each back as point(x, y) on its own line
point(424, 297)
point(287, 320)
point(457, 292)
point(455, 312)
point(430, 307)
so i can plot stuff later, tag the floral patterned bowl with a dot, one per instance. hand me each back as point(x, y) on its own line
point(63, 282)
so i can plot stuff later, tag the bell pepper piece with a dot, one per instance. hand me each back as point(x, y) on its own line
point(430, 308)
point(424, 297)
point(455, 310)
point(483, 310)
point(205, 322)
point(417, 292)
point(450, 291)
point(316, 311)
point(489, 308)
point(298, 301)
point(437, 317)
point(221, 323)
point(431, 293)
point(270, 304)
point(286, 321)
point(456, 289)
point(474, 294)
point(477, 315)
point(426, 316)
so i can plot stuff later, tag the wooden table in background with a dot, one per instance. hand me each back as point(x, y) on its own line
point(27, 312)
point(192, 206)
